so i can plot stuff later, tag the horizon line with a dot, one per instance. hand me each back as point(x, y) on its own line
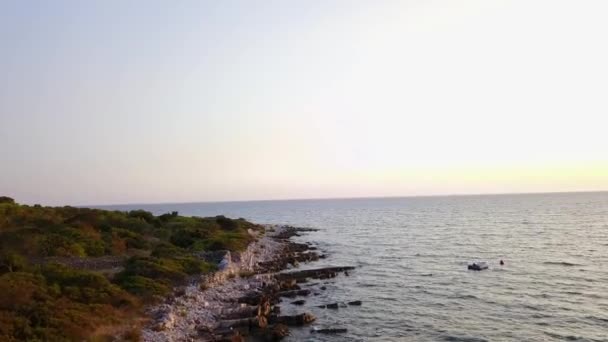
point(348, 198)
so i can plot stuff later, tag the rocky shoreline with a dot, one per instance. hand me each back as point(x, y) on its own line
point(241, 301)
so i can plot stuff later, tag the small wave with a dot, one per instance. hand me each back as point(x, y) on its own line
point(597, 319)
point(565, 337)
point(390, 299)
point(573, 293)
point(367, 285)
point(531, 307)
point(427, 255)
point(540, 315)
point(468, 296)
point(561, 263)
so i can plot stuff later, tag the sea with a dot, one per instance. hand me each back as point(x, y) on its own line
point(411, 256)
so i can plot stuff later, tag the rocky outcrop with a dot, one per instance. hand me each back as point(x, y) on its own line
point(164, 318)
point(225, 306)
point(320, 273)
point(201, 305)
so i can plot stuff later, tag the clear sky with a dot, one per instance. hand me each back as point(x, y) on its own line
point(163, 101)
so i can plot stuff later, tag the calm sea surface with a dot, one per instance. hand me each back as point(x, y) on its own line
point(412, 253)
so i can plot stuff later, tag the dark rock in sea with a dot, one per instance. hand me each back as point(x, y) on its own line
point(288, 284)
point(298, 302)
point(329, 331)
point(321, 273)
point(329, 306)
point(275, 333)
point(237, 337)
point(478, 266)
point(328, 275)
point(288, 232)
point(294, 293)
point(355, 303)
point(323, 288)
point(293, 254)
point(295, 320)
point(280, 331)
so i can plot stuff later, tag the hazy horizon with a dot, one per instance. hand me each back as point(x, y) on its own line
point(338, 198)
point(112, 102)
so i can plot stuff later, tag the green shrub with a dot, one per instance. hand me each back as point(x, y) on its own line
point(144, 287)
point(12, 262)
point(155, 268)
point(183, 238)
point(54, 302)
point(226, 223)
point(167, 250)
point(142, 214)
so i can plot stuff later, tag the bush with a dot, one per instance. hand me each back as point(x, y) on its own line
point(226, 223)
point(167, 250)
point(12, 262)
point(155, 268)
point(84, 286)
point(142, 214)
point(183, 238)
point(144, 287)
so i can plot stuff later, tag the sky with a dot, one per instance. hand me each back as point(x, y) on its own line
point(105, 102)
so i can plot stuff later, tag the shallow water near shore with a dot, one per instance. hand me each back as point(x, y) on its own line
point(411, 256)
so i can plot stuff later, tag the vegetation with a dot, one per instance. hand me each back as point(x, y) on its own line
point(53, 289)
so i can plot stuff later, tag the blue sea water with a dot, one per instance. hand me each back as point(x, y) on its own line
point(411, 256)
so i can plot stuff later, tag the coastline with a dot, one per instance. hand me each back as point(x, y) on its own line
point(240, 298)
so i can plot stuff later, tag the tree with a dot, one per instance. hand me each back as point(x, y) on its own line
point(5, 199)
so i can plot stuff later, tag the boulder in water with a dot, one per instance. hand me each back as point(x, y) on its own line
point(478, 266)
point(329, 331)
point(295, 320)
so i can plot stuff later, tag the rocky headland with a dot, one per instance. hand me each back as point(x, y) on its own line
point(242, 300)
